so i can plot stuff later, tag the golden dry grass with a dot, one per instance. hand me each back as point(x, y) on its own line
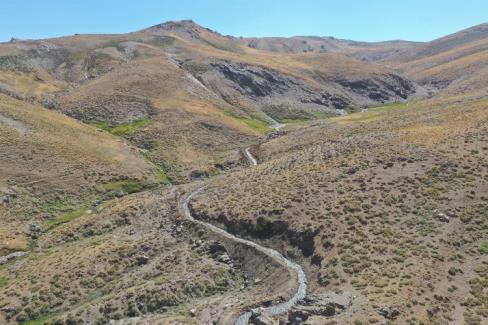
point(369, 187)
point(46, 156)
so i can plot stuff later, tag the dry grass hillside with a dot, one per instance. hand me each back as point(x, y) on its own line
point(364, 51)
point(86, 238)
point(160, 86)
point(131, 259)
point(455, 63)
point(389, 204)
point(377, 185)
point(52, 165)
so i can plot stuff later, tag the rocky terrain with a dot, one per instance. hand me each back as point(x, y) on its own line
point(178, 72)
point(364, 165)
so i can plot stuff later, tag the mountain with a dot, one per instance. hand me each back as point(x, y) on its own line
point(373, 52)
point(197, 81)
point(174, 175)
point(455, 63)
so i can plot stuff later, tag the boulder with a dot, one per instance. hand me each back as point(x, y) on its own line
point(198, 174)
point(216, 248)
point(141, 260)
point(327, 305)
point(11, 256)
point(388, 312)
point(443, 217)
point(34, 228)
point(224, 258)
point(298, 316)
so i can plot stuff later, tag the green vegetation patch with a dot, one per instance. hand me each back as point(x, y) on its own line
point(130, 186)
point(162, 177)
point(65, 218)
point(63, 204)
point(3, 281)
point(38, 321)
point(373, 113)
point(127, 186)
point(284, 113)
point(264, 227)
point(484, 247)
point(68, 210)
point(123, 129)
point(324, 114)
point(258, 125)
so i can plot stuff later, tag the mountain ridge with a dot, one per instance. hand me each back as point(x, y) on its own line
point(355, 175)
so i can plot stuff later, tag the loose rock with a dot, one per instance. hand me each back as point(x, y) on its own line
point(388, 312)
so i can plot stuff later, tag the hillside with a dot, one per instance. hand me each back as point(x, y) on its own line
point(455, 63)
point(53, 165)
point(390, 208)
point(174, 175)
point(364, 51)
point(195, 80)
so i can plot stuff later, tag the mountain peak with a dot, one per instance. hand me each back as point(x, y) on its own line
point(185, 27)
point(176, 24)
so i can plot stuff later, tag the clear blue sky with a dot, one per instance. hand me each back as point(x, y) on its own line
point(362, 20)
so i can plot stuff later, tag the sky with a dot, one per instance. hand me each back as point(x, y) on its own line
point(361, 20)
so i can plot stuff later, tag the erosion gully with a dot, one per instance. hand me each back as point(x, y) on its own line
point(301, 279)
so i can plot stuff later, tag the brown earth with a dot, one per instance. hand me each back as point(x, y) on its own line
point(377, 186)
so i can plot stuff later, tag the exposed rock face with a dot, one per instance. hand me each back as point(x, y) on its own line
point(326, 305)
point(303, 240)
point(387, 87)
point(216, 248)
point(265, 228)
point(261, 86)
point(220, 253)
point(254, 81)
point(264, 87)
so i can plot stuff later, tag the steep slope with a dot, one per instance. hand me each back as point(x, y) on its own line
point(121, 80)
point(52, 165)
point(193, 94)
point(385, 209)
point(389, 205)
point(457, 40)
point(245, 74)
point(455, 63)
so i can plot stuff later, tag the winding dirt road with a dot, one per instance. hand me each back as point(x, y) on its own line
point(275, 255)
